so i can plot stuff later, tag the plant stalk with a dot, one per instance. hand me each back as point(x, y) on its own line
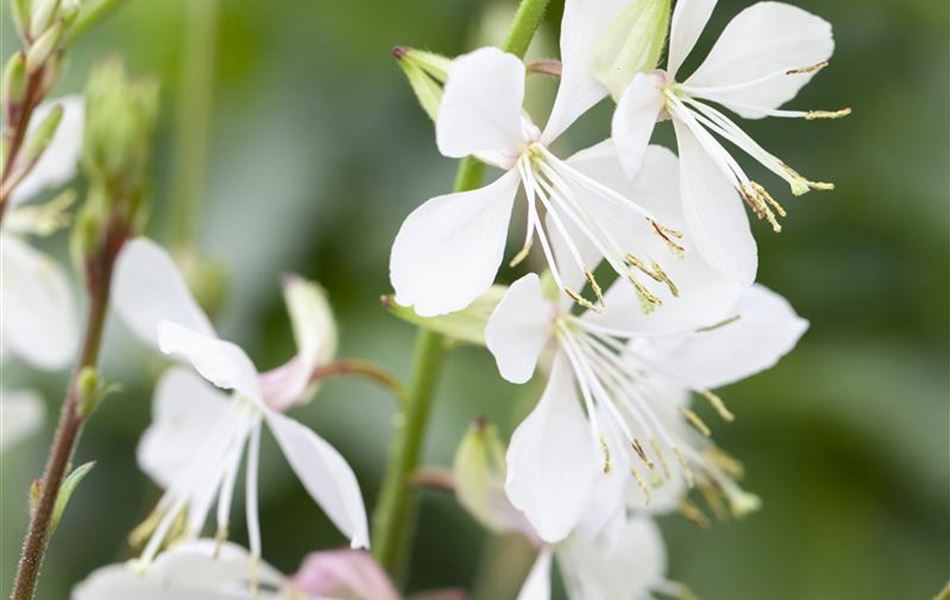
point(395, 515)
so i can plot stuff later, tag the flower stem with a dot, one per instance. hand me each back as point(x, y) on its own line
point(395, 515)
point(69, 428)
point(364, 368)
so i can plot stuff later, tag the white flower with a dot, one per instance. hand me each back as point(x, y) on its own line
point(194, 446)
point(764, 56)
point(448, 250)
point(198, 570)
point(608, 406)
point(39, 313)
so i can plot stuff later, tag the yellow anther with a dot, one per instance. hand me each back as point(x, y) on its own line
point(718, 405)
point(827, 114)
point(638, 449)
point(692, 513)
point(714, 500)
point(654, 272)
point(595, 286)
point(606, 450)
point(731, 465)
point(668, 234)
point(582, 301)
point(684, 465)
point(648, 300)
point(810, 69)
point(643, 485)
point(658, 451)
point(695, 421)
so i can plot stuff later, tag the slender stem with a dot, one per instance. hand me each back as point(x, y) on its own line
point(395, 515)
point(194, 119)
point(69, 429)
point(14, 135)
point(364, 368)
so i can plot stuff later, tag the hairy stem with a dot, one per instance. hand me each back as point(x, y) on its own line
point(69, 428)
point(395, 515)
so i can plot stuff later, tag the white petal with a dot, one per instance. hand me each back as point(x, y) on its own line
point(714, 213)
point(58, 163)
point(765, 38)
point(22, 414)
point(767, 329)
point(148, 289)
point(704, 293)
point(689, 19)
point(537, 586)
point(222, 363)
point(552, 459)
point(481, 104)
point(519, 329)
point(634, 119)
point(39, 315)
point(182, 411)
point(627, 567)
point(582, 27)
point(448, 250)
point(325, 474)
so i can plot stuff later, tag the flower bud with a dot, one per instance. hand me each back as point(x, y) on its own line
point(43, 47)
point(426, 73)
point(43, 134)
point(14, 85)
point(21, 16)
point(42, 15)
point(631, 44)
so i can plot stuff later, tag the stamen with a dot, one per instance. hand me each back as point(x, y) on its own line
point(684, 466)
point(762, 204)
point(666, 233)
point(654, 271)
point(606, 450)
point(807, 184)
point(595, 286)
point(635, 443)
point(718, 405)
point(659, 454)
point(713, 497)
point(648, 497)
point(809, 69)
point(827, 114)
point(582, 301)
point(648, 300)
point(724, 461)
point(722, 323)
point(695, 421)
point(692, 513)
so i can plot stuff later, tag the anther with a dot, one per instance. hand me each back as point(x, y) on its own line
point(827, 114)
point(810, 69)
point(658, 451)
point(695, 421)
point(713, 496)
point(582, 301)
point(648, 301)
point(668, 234)
point(692, 513)
point(606, 450)
point(684, 465)
point(643, 485)
point(638, 448)
point(718, 405)
point(716, 326)
point(595, 286)
point(731, 465)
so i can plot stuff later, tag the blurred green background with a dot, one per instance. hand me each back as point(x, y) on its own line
point(317, 153)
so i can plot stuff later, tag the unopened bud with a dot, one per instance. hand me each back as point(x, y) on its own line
point(14, 84)
point(43, 134)
point(632, 44)
point(87, 386)
point(43, 14)
point(426, 73)
point(43, 47)
point(68, 11)
point(21, 17)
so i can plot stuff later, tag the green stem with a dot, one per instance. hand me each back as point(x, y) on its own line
point(395, 515)
point(91, 13)
point(194, 119)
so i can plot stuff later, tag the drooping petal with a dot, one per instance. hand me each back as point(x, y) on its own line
point(582, 27)
point(714, 213)
point(631, 563)
point(39, 315)
point(704, 294)
point(552, 459)
point(448, 250)
point(634, 119)
point(764, 39)
point(519, 329)
point(537, 586)
point(22, 413)
point(344, 574)
point(325, 474)
point(761, 329)
point(182, 411)
point(148, 289)
point(222, 363)
point(481, 104)
point(689, 20)
point(58, 163)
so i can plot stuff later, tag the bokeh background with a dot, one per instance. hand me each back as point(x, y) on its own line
point(318, 151)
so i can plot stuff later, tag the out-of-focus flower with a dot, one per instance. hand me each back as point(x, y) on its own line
point(765, 55)
point(21, 414)
point(448, 250)
point(194, 445)
point(607, 407)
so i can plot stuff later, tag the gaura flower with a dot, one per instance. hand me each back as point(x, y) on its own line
point(765, 55)
point(194, 446)
point(606, 406)
point(608, 555)
point(448, 250)
point(39, 313)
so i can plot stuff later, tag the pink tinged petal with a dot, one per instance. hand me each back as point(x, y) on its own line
point(22, 414)
point(714, 214)
point(184, 407)
point(634, 119)
point(760, 330)
point(552, 459)
point(519, 329)
point(704, 293)
point(537, 586)
point(39, 315)
point(481, 105)
point(325, 474)
point(58, 163)
point(286, 385)
point(222, 363)
point(689, 20)
point(582, 27)
point(764, 39)
point(148, 289)
point(344, 574)
point(448, 251)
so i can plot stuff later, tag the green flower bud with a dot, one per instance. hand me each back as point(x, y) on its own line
point(40, 51)
point(43, 14)
point(87, 386)
point(632, 44)
point(43, 135)
point(426, 73)
point(21, 16)
point(14, 84)
point(479, 474)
